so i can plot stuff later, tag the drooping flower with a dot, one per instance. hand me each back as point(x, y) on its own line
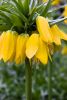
point(20, 48)
point(32, 45)
point(37, 48)
point(44, 29)
point(38, 45)
point(8, 40)
point(56, 38)
point(42, 53)
point(58, 34)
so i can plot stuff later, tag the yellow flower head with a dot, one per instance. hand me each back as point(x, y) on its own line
point(44, 29)
point(38, 45)
point(8, 45)
point(20, 48)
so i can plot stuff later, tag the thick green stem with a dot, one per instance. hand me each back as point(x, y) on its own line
point(28, 80)
point(50, 81)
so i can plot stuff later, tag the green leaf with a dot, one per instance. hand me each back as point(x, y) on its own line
point(4, 27)
point(40, 8)
point(15, 20)
point(5, 17)
point(12, 17)
point(46, 8)
point(18, 11)
point(33, 4)
point(36, 10)
point(26, 6)
point(21, 5)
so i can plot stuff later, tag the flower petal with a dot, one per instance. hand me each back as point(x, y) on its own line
point(44, 29)
point(42, 53)
point(59, 32)
point(8, 48)
point(56, 38)
point(1, 44)
point(32, 45)
point(20, 48)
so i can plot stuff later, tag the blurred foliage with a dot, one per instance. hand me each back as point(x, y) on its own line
point(12, 80)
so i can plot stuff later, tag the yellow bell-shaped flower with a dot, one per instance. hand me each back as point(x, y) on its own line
point(58, 33)
point(2, 36)
point(42, 53)
point(56, 38)
point(32, 45)
point(44, 29)
point(20, 48)
point(8, 45)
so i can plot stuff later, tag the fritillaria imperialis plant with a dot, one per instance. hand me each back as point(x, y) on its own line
point(28, 34)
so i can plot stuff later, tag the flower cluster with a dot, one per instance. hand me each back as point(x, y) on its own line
point(16, 47)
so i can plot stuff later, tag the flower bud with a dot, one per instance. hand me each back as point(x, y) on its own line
point(20, 48)
point(8, 45)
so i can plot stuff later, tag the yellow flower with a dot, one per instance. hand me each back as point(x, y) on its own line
point(32, 45)
point(42, 53)
point(37, 48)
point(44, 29)
point(1, 44)
point(20, 48)
point(8, 45)
point(58, 34)
point(64, 50)
point(55, 2)
point(56, 38)
point(65, 14)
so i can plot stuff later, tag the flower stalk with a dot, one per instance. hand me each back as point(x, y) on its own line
point(28, 80)
point(50, 80)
